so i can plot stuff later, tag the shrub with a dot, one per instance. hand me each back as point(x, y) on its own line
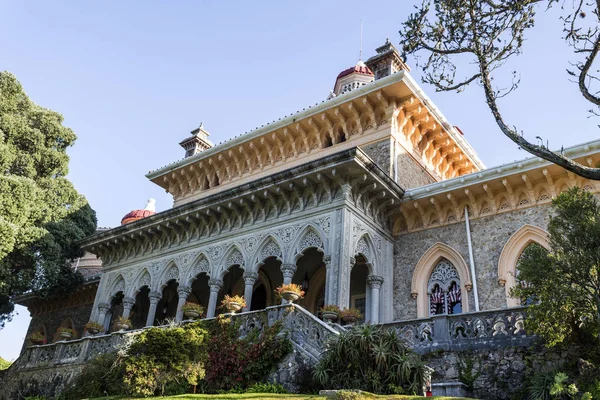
point(266, 388)
point(242, 362)
point(102, 376)
point(372, 359)
point(158, 357)
point(551, 384)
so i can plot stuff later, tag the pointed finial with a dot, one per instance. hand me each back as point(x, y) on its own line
point(361, 34)
point(201, 125)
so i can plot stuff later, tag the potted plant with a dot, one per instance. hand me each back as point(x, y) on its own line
point(233, 303)
point(94, 328)
point(122, 323)
point(350, 315)
point(37, 338)
point(66, 333)
point(290, 292)
point(192, 310)
point(330, 313)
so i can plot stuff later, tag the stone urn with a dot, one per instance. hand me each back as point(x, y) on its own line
point(191, 314)
point(290, 296)
point(37, 342)
point(121, 326)
point(349, 319)
point(66, 335)
point(233, 306)
point(329, 316)
point(93, 331)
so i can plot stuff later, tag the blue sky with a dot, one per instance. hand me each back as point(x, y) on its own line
point(133, 78)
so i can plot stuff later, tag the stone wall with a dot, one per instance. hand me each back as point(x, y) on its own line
point(410, 173)
point(489, 235)
point(379, 152)
point(500, 372)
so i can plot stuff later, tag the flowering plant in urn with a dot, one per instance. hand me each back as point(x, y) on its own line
point(290, 292)
point(233, 303)
point(330, 312)
point(192, 310)
point(93, 327)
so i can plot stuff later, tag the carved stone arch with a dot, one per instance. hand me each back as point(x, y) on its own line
point(170, 273)
point(563, 184)
point(503, 203)
point(449, 215)
point(233, 256)
point(271, 246)
point(200, 264)
point(143, 279)
point(309, 237)
point(117, 285)
point(541, 192)
point(485, 207)
point(511, 252)
point(364, 246)
point(522, 198)
point(400, 224)
point(425, 267)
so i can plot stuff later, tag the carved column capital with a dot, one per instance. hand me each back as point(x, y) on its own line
point(288, 270)
point(468, 286)
point(184, 291)
point(414, 294)
point(128, 303)
point(215, 285)
point(250, 277)
point(103, 307)
point(327, 260)
point(375, 281)
point(155, 297)
point(501, 281)
point(352, 261)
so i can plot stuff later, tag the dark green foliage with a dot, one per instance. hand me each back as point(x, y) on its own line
point(563, 285)
point(234, 362)
point(266, 388)
point(102, 376)
point(551, 385)
point(171, 357)
point(41, 214)
point(370, 358)
point(468, 372)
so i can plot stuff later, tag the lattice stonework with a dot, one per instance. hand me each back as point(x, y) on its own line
point(363, 248)
point(235, 258)
point(443, 274)
point(444, 289)
point(271, 249)
point(311, 239)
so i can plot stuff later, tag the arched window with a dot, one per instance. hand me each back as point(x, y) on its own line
point(444, 289)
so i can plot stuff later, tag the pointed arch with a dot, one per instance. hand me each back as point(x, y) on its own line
point(309, 237)
point(170, 273)
point(118, 285)
point(511, 252)
point(233, 256)
point(143, 279)
point(425, 267)
point(270, 247)
point(200, 264)
point(364, 246)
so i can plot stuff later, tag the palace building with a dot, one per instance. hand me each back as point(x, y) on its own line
point(369, 199)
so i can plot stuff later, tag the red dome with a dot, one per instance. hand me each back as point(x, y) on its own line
point(135, 215)
point(359, 68)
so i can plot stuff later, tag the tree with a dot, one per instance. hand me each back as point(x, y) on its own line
point(490, 32)
point(42, 216)
point(563, 285)
point(4, 364)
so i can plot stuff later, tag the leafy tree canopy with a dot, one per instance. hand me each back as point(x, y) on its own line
point(4, 364)
point(41, 214)
point(563, 285)
point(488, 33)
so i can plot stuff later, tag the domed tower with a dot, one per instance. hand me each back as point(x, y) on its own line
point(139, 214)
point(353, 78)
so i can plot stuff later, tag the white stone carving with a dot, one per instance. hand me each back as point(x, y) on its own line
point(271, 249)
point(310, 239)
point(443, 275)
point(235, 258)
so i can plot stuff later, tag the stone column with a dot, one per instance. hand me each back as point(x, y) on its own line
point(288, 271)
point(128, 304)
point(375, 282)
point(103, 309)
point(154, 299)
point(328, 279)
point(249, 279)
point(215, 286)
point(183, 292)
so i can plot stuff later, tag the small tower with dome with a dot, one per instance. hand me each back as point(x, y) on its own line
point(353, 78)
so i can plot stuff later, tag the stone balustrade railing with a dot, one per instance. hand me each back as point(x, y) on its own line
point(308, 333)
point(477, 330)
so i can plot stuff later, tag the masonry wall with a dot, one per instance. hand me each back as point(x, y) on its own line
point(410, 173)
point(379, 152)
point(489, 235)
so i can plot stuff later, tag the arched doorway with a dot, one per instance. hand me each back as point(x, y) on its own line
point(233, 285)
point(269, 278)
point(358, 287)
point(116, 310)
point(310, 275)
point(200, 291)
point(139, 312)
point(167, 306)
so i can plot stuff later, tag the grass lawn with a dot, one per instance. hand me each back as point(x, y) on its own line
point(269, 396)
